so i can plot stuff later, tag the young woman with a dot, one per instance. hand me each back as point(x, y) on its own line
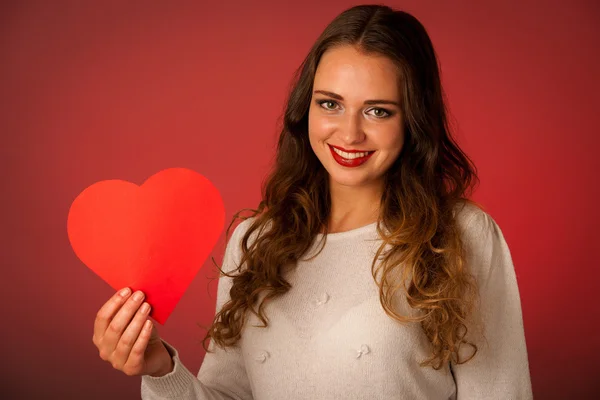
point(365, 272)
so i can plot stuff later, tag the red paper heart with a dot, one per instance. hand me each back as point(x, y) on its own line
point(153, 237)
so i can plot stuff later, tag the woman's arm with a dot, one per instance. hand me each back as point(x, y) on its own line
point(222, 375)
point(500, 369)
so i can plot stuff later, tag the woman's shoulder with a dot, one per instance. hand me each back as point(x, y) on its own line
point(479, 232)
point(234, 243)
point(239, 231)
point(472, 219)
point(233, 249)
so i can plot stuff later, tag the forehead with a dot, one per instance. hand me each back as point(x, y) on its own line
point(350, 73)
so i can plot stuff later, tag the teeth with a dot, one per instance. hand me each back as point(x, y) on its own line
point(349, 156)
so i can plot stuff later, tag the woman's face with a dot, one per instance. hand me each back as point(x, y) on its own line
point(355, 124)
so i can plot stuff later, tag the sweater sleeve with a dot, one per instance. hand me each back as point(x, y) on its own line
point(500, 369)
point(222, 375)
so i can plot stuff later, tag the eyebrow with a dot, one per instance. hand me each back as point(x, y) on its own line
point(368, 102)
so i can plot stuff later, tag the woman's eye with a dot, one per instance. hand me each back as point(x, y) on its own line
point(327, 104)
point(380, 112)
point(376, 112)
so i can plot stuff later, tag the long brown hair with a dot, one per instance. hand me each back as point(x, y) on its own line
point(423, 188)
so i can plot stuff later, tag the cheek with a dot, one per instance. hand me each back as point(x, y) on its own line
point(319, 127)
point(392, 141)
point(313, 133)
point(391, 144)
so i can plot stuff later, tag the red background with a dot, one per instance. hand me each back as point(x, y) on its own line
point(103, 90)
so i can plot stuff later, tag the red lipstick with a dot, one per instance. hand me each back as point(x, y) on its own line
point(350, 162)
point(351, 151)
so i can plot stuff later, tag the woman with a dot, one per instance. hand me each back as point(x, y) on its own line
point(365, 273)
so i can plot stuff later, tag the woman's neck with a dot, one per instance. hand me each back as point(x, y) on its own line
point(353, 206)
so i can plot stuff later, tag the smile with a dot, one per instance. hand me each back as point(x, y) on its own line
point(352, 158)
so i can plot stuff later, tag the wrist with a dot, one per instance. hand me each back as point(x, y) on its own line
point(166, 367)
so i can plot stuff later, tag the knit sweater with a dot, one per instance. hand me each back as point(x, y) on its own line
point(330, 338)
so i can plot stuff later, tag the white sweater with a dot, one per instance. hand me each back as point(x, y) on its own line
point(329, 337)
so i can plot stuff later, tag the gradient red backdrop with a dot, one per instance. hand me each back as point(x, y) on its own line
point(102, 90)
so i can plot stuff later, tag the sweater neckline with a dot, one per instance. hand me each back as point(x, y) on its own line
point(372, 227)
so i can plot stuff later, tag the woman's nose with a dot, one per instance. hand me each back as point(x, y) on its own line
point(351, 131)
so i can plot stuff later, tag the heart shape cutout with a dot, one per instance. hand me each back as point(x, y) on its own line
point(154, 237)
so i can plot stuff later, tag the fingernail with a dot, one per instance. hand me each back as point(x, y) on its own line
point(124, 292)
point(138, 296)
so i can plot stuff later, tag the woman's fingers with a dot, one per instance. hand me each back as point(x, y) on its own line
point(107, 313)
point(126, 338)
point(130, 336)
point(135, 362)
point(119, 323)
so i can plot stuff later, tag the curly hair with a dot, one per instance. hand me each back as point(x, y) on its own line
point(431, 177)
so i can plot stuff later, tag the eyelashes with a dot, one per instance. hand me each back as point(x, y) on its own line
point(386, 113)
point(321, 102)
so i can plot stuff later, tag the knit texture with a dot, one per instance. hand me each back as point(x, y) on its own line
point(329, 337)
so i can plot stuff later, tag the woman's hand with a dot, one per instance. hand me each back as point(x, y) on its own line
point(127, 339)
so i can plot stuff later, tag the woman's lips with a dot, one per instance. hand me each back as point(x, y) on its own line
point(349, 162)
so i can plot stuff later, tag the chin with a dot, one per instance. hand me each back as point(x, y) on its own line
point(352, 179)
